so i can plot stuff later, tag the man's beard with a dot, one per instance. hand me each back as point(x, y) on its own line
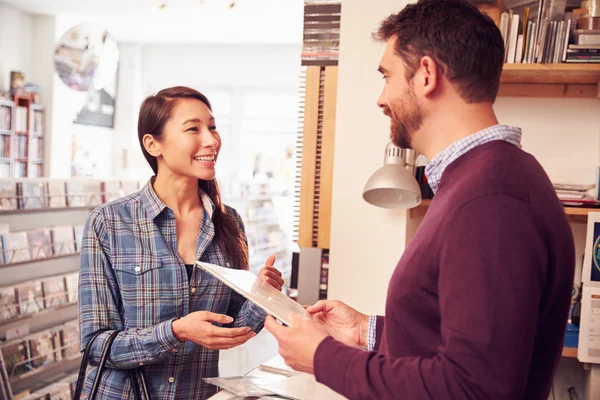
point(405, 119)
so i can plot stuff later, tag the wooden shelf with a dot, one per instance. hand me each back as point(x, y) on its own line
point(569, 352)
point(574, 213)
point(550, 80)
point(581, 74)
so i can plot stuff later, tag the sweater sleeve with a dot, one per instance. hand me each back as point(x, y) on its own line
point(492, 269)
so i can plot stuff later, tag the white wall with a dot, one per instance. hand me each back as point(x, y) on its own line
point(42, 73)
point(15, 44)
point(366, 242)
point(146, 69)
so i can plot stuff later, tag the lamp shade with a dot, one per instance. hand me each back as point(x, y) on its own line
point(392, 186)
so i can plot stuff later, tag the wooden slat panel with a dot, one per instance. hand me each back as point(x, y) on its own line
point(309, 156)
point(539, 90)
point(329, 112)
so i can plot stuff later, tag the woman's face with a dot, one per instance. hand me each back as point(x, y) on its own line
point(190, 141)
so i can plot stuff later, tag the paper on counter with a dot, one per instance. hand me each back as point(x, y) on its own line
point(245, 386)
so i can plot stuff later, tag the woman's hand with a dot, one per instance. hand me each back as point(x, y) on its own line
point(270, 274)
point(197, 327)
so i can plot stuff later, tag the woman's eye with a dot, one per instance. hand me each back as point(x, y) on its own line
point(213, 128)
point(193, 129)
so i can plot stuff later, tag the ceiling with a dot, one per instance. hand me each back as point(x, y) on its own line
point(181, 21)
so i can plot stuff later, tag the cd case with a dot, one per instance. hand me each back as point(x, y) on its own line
point(271, 300)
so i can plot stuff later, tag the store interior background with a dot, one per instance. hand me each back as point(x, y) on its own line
point(247, 60)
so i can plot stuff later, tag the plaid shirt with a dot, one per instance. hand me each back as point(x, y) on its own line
point(132, 279)
point(438, 164)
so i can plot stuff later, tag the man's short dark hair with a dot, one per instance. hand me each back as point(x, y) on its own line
point(466, 44)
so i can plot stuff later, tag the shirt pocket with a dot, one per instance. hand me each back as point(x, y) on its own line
point(139, 280)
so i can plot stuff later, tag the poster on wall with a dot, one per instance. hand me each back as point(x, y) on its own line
point(99, 106)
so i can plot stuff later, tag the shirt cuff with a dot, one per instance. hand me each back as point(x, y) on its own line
point(165, 338)
point(372, 332)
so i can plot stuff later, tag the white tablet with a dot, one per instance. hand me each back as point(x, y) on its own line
point(271, 300)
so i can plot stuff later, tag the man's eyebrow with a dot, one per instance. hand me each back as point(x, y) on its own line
point(382, 70)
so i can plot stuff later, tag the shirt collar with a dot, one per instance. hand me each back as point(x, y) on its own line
point(438, 164)
point(154, 205)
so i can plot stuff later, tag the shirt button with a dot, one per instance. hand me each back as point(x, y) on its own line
point(171, 380)
point(227, 264)
point(137, 269)
point(174, 350)
point(193, 290)
point(141, 364)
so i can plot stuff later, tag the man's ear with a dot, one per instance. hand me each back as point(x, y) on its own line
point(428, 76)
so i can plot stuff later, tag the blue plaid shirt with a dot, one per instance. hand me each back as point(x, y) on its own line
point(437, 165)
point(132, 279)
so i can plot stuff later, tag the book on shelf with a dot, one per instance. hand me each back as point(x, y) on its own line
point(72, 281)
point(537, 32)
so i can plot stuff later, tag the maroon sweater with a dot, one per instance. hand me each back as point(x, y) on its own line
point(478, 304)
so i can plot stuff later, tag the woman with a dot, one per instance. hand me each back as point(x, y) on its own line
point(137, 261)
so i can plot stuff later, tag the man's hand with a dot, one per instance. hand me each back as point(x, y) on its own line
point(298, 343)
point(197, 327)
point(271, 275)
point(343, 322)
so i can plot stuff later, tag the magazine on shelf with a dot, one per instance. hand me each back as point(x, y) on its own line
point(55, 292)
point(42, 349)
point(72, 286)
point(40, 244)
point(63, 240)
point(69, 341)
point(271, 300)
point(31, 297)
point(57, 196)
point(16, 247)
point(15, 356)
point(8, 195)
point(9, 308)
point(32, 194)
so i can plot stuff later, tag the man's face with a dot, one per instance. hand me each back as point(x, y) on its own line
point(398, 100)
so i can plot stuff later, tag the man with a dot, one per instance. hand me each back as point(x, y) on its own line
point(477, 306)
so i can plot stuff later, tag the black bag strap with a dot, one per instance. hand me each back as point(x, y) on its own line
point(136, 375)
point(105, 354)
point(83, 366)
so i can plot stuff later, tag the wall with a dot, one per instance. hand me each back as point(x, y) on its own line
point(42, 73)
point(147, 68)
point(366, 241)
point(16, 50)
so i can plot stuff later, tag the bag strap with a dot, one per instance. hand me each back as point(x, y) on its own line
point(103, 359)
point(138, 380)
point(83, 366)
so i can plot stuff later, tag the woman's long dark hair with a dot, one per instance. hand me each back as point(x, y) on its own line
point(154, 114)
